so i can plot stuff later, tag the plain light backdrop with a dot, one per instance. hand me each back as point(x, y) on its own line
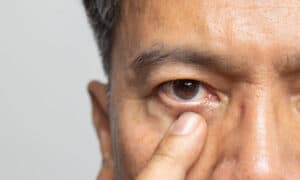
point(47, 57)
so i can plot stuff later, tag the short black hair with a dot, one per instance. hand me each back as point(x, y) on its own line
point(102, 15)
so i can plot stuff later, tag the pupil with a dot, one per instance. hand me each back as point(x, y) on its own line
point(185, 89)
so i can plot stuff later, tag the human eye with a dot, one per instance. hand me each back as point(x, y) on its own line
point(186, 92)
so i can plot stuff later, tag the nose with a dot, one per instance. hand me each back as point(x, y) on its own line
point(258, 156)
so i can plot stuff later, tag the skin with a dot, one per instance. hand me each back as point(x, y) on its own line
point(249, 122)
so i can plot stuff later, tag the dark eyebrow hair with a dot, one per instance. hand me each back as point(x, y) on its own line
point(147, 60)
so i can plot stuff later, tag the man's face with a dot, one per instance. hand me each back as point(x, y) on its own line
point(235, 63)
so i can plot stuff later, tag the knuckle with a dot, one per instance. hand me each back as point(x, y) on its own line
point(168, 158)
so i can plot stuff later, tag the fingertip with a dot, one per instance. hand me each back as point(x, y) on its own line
point(188, 122)
point(185, 124)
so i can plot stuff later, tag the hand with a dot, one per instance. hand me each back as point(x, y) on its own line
point(178, 150)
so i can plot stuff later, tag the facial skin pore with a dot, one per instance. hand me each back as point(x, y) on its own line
point(244, 54)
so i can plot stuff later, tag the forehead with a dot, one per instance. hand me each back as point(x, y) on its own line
point(239, 27)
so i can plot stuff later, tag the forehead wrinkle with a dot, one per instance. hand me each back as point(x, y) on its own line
point(145, 27)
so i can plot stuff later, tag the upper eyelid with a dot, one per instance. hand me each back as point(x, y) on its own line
point(170, 81)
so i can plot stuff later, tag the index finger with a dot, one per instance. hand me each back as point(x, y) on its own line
point(178, 150)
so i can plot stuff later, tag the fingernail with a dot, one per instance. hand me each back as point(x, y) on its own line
point(185, 124)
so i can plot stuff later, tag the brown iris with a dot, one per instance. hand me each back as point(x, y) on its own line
point(185, 89)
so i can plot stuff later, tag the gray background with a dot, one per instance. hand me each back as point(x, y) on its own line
point(47, 57)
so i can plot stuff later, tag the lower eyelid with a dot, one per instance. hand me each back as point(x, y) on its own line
point(174, 103)
point(203, 107)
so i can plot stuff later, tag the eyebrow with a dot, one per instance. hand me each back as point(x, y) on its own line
point(154, 57)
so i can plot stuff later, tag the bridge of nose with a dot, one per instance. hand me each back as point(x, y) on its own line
point(258, 153)
point(260, 133)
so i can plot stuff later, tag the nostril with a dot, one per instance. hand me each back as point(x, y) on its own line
point(252, 169)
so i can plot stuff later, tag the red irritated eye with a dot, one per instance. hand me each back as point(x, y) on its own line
point(186, 91)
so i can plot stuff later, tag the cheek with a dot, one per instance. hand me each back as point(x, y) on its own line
point(139, 133)
point(137, 147)
point(141, 127)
